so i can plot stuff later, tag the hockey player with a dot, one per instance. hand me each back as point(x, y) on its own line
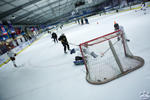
point(86, 20)
point(54, 36)
point(143, 7)
point(82, 21)
point(78, 21)
point(64, 42)
point(61, 26)
point(118, 27)
point(12, 55)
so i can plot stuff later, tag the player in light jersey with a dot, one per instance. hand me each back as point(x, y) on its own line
point(12, 55)
point(119, 27)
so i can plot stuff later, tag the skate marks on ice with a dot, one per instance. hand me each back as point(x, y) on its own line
point(40, 87)
point(21, 65)
point(48, 64)
point(62, 64)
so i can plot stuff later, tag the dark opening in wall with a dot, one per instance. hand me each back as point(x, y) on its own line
point(79, 3)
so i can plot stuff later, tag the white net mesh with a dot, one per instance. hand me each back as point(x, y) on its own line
point(105, 62)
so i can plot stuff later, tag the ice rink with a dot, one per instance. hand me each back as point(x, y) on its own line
point(46, 73)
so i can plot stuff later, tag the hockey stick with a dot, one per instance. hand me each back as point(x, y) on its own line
point(73, 44)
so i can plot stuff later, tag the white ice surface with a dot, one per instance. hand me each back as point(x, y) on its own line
point(49, 74)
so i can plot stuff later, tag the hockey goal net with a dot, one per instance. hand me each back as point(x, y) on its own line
point(108, 57)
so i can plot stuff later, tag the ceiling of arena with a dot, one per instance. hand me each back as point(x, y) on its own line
point(31, 12)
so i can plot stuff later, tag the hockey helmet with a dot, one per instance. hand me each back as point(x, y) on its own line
point(116, 26)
